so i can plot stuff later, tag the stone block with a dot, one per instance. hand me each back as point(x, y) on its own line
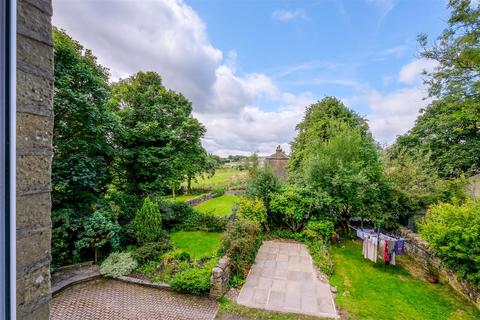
point(33, 22)
point(33, 210)
point(33, 173)
point(35, 53)
point(32, 249)
point(33, 286)
point(34, 94)
point(41, 312)
point(34, 131)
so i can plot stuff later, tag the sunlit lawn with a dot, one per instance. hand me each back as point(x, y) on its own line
point(379, 291)
point(197, 244)
point(219, 206)
point(224, 178)
point(185, 197)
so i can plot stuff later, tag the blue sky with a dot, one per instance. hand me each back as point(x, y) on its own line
point(251, 67)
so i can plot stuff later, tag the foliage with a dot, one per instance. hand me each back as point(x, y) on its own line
point(453, 231)
point(319, 230)
point(252, 210)
point(217, 192)
point(194, 280)
point(225, 178)
point(363, 289)
point(320, 121)
point(448, 128)
point(65, 226)
point(220, 206)
point(294, 205)
point(152, 251)
point(240, 243)
point(97, 232)
point(118, 264)
point(156, 133)
point(198, 244)
point(82, 122)
point(261, 185)
point(148, 222)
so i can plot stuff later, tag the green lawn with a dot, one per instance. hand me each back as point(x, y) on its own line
point(224, 178)
point(185, 197)
point(368, 291)
point(219, 206)
point(197, 244)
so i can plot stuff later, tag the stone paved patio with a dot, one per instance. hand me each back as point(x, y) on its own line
point(114, 300)
point(284, 279)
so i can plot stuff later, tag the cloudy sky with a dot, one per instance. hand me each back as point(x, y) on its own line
point(251, 67)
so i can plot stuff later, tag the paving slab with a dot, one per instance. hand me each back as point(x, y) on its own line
point(284, 279)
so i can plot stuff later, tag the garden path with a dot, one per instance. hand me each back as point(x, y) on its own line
point(115, 300)
point(284, 279)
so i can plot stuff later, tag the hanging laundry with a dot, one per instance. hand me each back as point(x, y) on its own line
point(400, 247)
point(386, 254)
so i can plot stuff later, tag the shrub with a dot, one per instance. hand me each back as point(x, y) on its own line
point(453, 231)
point(261, 185)
point(293, 205)
point(118, 264)
point(253, 210)
point(174, 212)
point(97, 232)
point(319, 230)
point(152, 250)
point(148, 222)
point(194, 280)
point(218, 192)
point(240, 243)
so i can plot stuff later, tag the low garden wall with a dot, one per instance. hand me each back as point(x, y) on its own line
point(220, 278)
point(418, 249)
point(197, 201)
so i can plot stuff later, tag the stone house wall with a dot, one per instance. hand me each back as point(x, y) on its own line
point(34, 156)
point(418, 249)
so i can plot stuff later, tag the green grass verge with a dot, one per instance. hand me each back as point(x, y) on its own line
point(224, 178)
point(219, 206)
point(379, 291)
point(230, 310)
point(185, 197)
point(197, 244)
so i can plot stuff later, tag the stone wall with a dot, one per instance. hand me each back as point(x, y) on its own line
point(34, 156)
point(418, 249)
point(220, 278)
point(197, 201)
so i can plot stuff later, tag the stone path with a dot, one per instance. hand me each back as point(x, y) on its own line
point(115, 300)
point(284, 279)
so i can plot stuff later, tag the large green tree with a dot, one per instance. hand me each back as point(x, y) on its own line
point(82, 152)
point(449, 128)
point(157, 133)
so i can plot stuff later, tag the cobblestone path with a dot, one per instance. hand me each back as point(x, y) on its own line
point(114, 300)
point(284, 279)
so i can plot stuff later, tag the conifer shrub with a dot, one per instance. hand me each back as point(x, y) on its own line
point(148, 222)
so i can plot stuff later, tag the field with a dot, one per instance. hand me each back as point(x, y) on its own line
point(219, 206)
point(379, 291)
point(197, 244)
point(225, 178)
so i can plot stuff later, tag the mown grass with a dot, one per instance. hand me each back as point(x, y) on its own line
point(219, 206)
point(198, 244)
point(224, 178)
point(379, 291)
point(185, 197)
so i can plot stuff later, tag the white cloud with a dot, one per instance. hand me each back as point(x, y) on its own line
point(288, 15)
point(168, 37)
point(410, 73)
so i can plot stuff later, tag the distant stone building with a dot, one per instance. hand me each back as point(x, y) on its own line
point(278, 162)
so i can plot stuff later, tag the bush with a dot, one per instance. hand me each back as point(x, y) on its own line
point(294, 205)
point(218, 192)
point(148, 222)
point(319, 230)
point(261, 185)
point(253, 210)
point(118, 264)
point(152, 251)
point(453, 231)
point(194, 280)
point(174, 212)
point(240, 243)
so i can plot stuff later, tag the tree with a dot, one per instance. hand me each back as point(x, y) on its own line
point(449, 128)
point(252, 210)
point(97, 232)
point(320, 120)
point(82, 153)
point(157, 133)
point(148, 222)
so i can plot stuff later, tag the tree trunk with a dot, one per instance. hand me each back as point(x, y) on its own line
point(96, 255)
point(173, 193)
point(189, 184)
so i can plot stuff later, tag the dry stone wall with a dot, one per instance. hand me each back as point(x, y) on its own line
point(34, 156)
point(220, 278)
